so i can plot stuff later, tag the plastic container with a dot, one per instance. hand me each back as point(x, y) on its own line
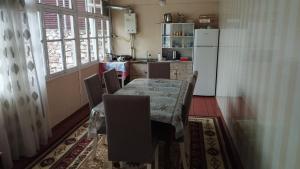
point(184, 59)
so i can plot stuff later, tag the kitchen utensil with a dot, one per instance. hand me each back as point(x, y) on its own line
point(168, 17)
point(184, 59)
point(174, 54)
point(159, 58)
point(180, 18)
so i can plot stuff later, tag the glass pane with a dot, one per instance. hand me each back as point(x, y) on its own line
point(167, 31)
point(51, 24)
point(84, 50)
point(82, 27)
point(166, 42)
point(105, 31)
point(93, 48)
point(65, 3)
point(97, 2)
point(106, 28)
point(177, 42)
point(90, 6)
point(68, 26)
point(92, 30)
point(188, 29)
point(99, 27)
point(49, 2)
point(107, 45)
point(81, 5)
point(98, 6)
point(107, 40)
point(70, 53)
point(55, 56)
point(98, 10)
point(101, 48)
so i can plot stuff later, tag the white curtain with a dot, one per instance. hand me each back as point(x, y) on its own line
point(23, 103)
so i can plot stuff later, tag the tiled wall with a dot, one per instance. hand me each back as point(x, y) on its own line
point(258, 84)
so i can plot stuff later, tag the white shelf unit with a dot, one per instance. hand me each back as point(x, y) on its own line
point(177, 37)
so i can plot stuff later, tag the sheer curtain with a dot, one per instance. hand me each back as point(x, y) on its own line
point(23, 115)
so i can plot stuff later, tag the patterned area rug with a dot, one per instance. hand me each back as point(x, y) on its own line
point(76, 151)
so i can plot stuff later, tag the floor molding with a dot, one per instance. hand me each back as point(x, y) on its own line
point(233, 153)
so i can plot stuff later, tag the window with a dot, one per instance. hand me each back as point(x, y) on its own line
point(84, 46)
point(75, 33)
point(93, 39)
point(100, 38)
point(53, 41)
point(60, 3)
point(107, 37)
point(69, 41)
point(94, 6)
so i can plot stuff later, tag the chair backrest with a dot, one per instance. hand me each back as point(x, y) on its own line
point(93, 86)
point(187, 100)
point(159, 70)
point(128, 128)
point(111, 81)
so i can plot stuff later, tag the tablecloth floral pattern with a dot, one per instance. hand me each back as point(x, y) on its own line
point(166, 99)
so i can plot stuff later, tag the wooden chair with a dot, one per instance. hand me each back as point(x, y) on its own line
point(129, 129)
point(163, 131)
point(159, 70)
point(93, 86)
point(184, 142)
point(111, 81)
point(1, 164)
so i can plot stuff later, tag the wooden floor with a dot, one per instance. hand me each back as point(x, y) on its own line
point(205, 107)
point(208, 107)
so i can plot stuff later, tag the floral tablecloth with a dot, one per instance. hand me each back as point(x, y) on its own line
point(166, 99)
point(121, 67)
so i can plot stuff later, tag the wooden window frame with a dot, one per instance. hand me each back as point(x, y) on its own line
point(61, 11)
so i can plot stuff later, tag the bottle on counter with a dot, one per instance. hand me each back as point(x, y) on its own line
point(106, 57)
point(159, 58)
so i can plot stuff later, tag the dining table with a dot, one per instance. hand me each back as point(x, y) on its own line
point(166, 100)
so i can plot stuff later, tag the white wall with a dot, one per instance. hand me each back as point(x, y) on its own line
point(67, 94)
point(259, 80)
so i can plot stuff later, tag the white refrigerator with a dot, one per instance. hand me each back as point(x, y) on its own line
point(205, 61)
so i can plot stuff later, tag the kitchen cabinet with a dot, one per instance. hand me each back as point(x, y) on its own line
point(181, 70)
point(178, 70)
point(138, 70)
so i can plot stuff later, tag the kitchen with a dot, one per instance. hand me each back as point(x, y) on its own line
point(154, 40)
point(235, 63)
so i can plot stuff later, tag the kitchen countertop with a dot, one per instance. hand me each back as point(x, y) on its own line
point(155, 60)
